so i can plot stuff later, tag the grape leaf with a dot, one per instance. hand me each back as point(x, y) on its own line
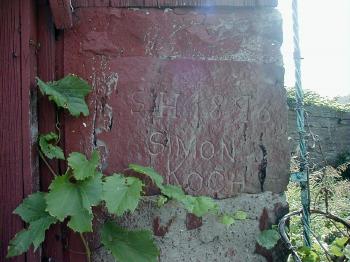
point(32, 208)
point(268, 238)
point(240, 215)
point(48, 146)
point(81, 221)
point(308, 255)
point(199, 206)
point(161, 201)
point(82, 167)
point(32, 211)
point(336, 251)
point(68, 92)
point(74, 200)
point(172, 191)
point(340, 241)
point(121, 193)
point(227, 220)
point(204, 205)
point(129, 246)
point(337, 246)
point(150, 172)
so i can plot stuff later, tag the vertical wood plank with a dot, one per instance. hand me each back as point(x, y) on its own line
point(52, 249)
point(11, 192)
point(17, 118)
point(29, 121)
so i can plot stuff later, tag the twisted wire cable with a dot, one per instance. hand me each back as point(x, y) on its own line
point(299, 95)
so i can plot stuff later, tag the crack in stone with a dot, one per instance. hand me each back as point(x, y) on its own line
point(263, 164)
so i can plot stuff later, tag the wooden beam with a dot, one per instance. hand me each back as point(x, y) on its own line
point(62, 13)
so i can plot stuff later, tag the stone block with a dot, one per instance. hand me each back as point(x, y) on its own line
point(198, 95)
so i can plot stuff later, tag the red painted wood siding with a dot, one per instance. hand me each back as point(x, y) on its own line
point(52, 249)
point(17, 158)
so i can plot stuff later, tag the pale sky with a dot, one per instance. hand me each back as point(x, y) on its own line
point(325, 45)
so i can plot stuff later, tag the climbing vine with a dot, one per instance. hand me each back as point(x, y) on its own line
point(73, 194)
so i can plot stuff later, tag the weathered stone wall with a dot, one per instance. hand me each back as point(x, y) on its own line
point(196, 93)
point(182, 239)
point(330, 128)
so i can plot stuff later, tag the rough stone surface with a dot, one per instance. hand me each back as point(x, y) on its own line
point(195, 93)
point(331, 130)
point(211, 241)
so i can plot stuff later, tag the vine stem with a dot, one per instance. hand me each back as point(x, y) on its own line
point(46, 163)
point(86, 245)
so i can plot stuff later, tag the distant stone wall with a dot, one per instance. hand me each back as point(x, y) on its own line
point(330, 128)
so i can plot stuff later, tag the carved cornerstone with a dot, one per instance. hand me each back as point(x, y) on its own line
point(196, 94)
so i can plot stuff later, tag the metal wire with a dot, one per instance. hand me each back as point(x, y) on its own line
point(304, 167)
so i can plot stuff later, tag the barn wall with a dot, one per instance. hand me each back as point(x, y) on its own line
point(18, 120)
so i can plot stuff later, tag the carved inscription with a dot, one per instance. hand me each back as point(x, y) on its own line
point(166, 105)
point(194, 160)
point(182, 152)
point(207, 150)
point(216, 181)
point(195, 182)
point(191, 148)
point(156, 145)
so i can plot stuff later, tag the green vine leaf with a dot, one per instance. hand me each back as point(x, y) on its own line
point(336, 251)
point(174, 192)
point(74, 200)
point(129, 246)
point(338, 245)
point(199, 206)
point(340, 241)
point(240, 215)
point(268, 238)
point(32, 211)
point(82, 167)
point(161, 200)
point(227, 220)
point(48, 146)
point(308, 255)
point(150, 172)
point(121, 193)
point(68, 92)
